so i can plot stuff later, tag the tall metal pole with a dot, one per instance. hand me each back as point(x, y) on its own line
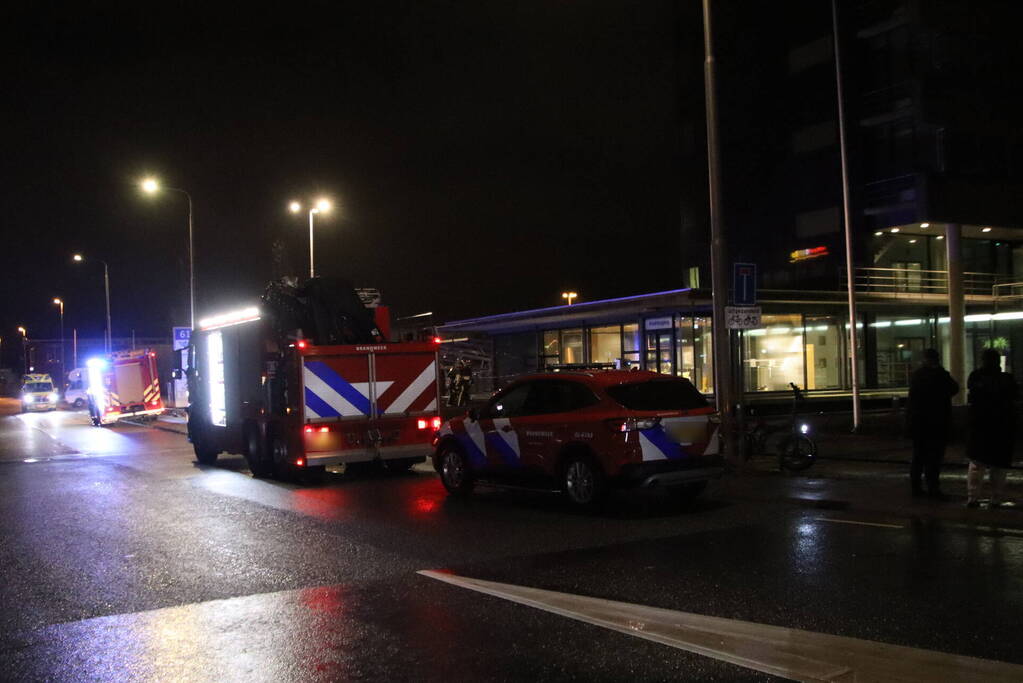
point(106, 289)
point(74, 346)
point(722, 353)
point(312, 268)
point(63, 356)
point(191, 265)
point(956, 309)
point(850, 275)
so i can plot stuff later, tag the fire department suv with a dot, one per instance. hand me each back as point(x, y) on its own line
point(261, 388)
point(585, 432)
point(123, 384)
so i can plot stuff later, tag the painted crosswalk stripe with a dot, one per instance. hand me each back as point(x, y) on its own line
point(776, 650)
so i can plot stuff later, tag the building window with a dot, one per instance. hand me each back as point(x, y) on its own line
point(572, 346)
point(900, 344)
point(825, 357)
point(630, 346)
point(773, 354)
point(605, 344)
point(550, 352)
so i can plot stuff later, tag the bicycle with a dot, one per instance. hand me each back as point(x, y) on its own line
point(795, 449)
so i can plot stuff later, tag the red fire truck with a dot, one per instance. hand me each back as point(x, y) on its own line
point(303, 381)
point(123, 384)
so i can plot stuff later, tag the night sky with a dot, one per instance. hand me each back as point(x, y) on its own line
point(484, 155)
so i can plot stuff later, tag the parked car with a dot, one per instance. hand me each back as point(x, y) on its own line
point(583, 433)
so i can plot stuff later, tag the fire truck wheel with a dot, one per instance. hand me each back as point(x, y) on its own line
point(582, 480)
point(205, 453)
point(454, 472)
point(255, 454)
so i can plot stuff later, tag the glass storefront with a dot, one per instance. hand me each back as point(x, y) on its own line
point(809, 350)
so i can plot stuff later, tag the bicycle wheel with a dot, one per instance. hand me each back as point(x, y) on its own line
point(796, 452)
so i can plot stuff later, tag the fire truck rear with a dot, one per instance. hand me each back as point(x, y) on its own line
point(304, 381)
point(123, 384)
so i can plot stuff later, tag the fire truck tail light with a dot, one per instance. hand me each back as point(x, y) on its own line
point(437, 340)
point(436, 422)
point(299, 462)
point(324, 430)
point(301, 343)
point(422, 424)
point(308, 429)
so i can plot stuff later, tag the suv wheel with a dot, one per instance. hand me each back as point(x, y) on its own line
point(454, 472)
point(583, 481)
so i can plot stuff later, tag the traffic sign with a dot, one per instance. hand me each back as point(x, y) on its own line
point(742, 317)
point(182, 337)
point(744, 284)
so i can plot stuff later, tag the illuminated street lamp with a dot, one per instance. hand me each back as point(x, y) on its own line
point(321, 206)
point(78, 258)
point(60, 302)
point(152, 186)
point(569, 297)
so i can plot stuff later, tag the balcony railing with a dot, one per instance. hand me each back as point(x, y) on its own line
point(898, 281)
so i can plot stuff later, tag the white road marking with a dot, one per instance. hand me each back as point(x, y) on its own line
point(792, 653)
point(853, 521)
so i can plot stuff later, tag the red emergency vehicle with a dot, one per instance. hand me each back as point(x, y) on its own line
point(260, 386)
point(584, 432)
point(123, 384)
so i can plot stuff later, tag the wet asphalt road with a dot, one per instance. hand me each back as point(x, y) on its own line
point(124, 560)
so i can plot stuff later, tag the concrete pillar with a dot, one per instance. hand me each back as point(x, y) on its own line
point(956, 361)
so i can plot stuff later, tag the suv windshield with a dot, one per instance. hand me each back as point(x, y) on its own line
point(38, 387)
point(658, 394)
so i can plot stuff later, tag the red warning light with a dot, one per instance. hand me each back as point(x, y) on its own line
point(421, 424)
point(308, 429)
point(300, 462)
point(437, 340)
point(302, 343)
point(324, 430)
point(436, 422)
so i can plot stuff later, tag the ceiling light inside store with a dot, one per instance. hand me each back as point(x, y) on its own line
point(985, 229)
point(925, 225)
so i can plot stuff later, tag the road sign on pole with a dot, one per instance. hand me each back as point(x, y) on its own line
point(742, 317)
point(744, 284)
point(182, 336)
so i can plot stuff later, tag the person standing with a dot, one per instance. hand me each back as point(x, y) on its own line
point(931, 389)
point(992, 411)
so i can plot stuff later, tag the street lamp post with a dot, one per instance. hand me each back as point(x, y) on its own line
point(321, 206)
point(60, 302)
point(151, 186)
point(569, 297)
point(78, 258)
point(24, 344)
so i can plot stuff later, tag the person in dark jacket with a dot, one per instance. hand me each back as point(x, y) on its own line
point(992, 410)
point(931, 389)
